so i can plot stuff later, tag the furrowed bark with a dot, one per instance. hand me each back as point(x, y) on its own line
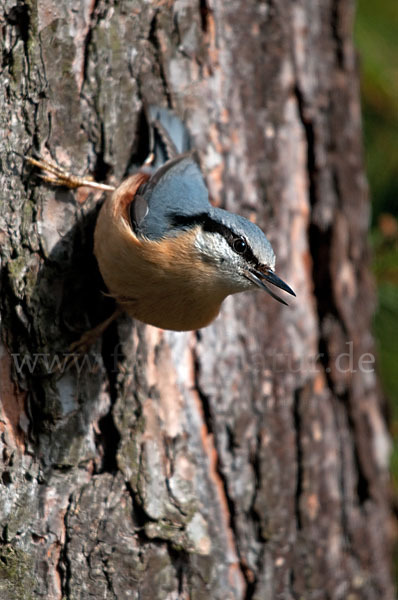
point(248, 460)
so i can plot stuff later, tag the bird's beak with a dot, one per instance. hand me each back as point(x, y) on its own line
point(258, 278)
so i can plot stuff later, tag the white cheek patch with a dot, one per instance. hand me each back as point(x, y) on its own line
point(228, 266)
point(213, 246)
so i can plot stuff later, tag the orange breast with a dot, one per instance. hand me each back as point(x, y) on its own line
point(163, 283)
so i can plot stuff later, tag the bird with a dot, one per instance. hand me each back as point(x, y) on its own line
point(167, 255)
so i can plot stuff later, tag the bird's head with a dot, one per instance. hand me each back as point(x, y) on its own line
point(229, 250)
point(233, 251)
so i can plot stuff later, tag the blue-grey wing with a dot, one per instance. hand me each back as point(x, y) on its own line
point(176, 190)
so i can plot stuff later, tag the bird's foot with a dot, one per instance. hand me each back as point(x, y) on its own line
point(81, 346)
point(56, 175)
point(89, 337)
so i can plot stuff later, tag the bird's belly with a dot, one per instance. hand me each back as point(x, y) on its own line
point(162, 283)
point(177, 312)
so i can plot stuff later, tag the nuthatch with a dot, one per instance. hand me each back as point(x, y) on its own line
point(168, 256)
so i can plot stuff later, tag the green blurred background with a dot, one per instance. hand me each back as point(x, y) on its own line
point(376, 35)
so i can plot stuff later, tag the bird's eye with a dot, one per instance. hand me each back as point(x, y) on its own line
point(239, 245)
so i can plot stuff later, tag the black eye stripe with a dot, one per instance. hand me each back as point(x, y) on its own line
point(212, 226)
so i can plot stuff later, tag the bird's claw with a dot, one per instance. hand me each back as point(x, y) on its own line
point(61, 177)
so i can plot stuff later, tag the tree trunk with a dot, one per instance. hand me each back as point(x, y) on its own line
point(248, 460)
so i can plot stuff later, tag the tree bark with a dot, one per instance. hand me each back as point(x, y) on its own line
point(248, 460)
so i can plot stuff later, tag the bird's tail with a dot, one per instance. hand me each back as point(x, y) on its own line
point(168, 135)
